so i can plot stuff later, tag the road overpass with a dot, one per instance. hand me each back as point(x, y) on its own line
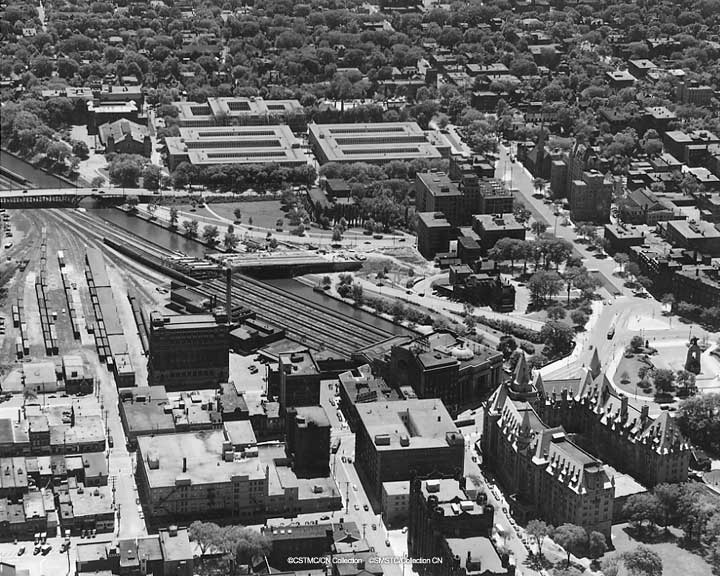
point(72, 197)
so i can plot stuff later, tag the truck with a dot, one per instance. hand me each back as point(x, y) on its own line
point(335, 446)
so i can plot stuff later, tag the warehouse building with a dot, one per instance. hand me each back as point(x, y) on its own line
point(235, 145)
point(252, 111)
point(374, 143)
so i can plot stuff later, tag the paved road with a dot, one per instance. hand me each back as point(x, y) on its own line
point(517, 177)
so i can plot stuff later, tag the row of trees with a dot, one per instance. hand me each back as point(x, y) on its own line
point(238, 545)
point(238, 177)
point(574, 539)
point(543, 253)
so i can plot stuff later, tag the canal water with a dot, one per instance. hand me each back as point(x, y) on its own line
point(39, 178)
point(176, 242)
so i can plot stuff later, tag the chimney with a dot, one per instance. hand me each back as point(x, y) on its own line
point(623, 406)
point(228, 293)
point(184, 465)
point(644, 413)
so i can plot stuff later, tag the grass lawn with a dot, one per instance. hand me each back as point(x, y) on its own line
point(677, 561)
point(264, 213)
point(630, 366)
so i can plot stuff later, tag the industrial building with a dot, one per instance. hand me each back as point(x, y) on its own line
point(405, 438)
point(299, 379)
point(452, 521)
point(308, 440)
point(201, 475)
point(441, 365)
point(186, 352)
point(224, 111)
point(433, 232)
point(374, 143)
point(249, 145)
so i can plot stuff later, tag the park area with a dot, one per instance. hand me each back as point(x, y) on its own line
point(676, 559)
point(260, 213)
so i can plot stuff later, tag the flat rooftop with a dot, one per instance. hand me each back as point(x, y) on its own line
point(498, 222)
point(439, 184)
point(433, 220)
point(372, 142)
point(694, 230)
point(401, 424)
point(237, 144)
point(301, 361)
point(182, 321)
point(314, 415)
point(203, 452)
point(235, 107)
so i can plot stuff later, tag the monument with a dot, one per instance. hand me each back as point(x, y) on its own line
point(692, 362)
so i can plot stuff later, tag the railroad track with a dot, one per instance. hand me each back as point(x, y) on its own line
point(306, 322)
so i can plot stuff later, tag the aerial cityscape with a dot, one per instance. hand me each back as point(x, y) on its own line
point(345, 288)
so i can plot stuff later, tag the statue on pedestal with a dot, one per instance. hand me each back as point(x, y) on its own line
point(692, 362)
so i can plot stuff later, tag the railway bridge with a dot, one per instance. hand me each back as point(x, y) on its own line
point(73, 197)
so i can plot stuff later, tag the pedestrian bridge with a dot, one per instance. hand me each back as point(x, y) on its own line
point(73, 197)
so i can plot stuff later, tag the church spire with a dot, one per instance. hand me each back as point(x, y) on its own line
point(595, 365)
point(521, 375)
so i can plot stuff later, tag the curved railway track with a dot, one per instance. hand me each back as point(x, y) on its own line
point(305, 321)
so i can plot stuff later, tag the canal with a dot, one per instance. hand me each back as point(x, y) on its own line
point(39, 178)
point(176, 242)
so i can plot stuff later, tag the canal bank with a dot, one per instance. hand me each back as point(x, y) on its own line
point(37, 177)
point(178, 243)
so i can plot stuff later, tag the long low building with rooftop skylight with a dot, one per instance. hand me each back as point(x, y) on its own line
point(213, 145)
point(374, 143)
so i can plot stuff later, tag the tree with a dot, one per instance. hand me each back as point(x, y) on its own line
point(572, 538)
point(207, 534)
point(238, 215)
point(538, 228)
point(642, 508)
point(173, 217)
point(356, 293)
point(210, 234)
point(633, 269)
point(151, 177)
point(556, 312)
point(125, 170)
point(664, 380)
point(80, 149)
point(231, 241)
point(668, 496)
point(579, 317)
point(337, 234)
point(539, 530)
point(622, 259)
point(97, 182)
point(597, 545)
point(636, 343)
point(191, 227)
point(558, 338)
point(642, 561)
point(132, 201)
point(699, 420)
point(686, 380)
point(543, 285)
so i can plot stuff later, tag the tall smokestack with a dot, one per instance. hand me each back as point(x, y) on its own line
point(228, 293)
